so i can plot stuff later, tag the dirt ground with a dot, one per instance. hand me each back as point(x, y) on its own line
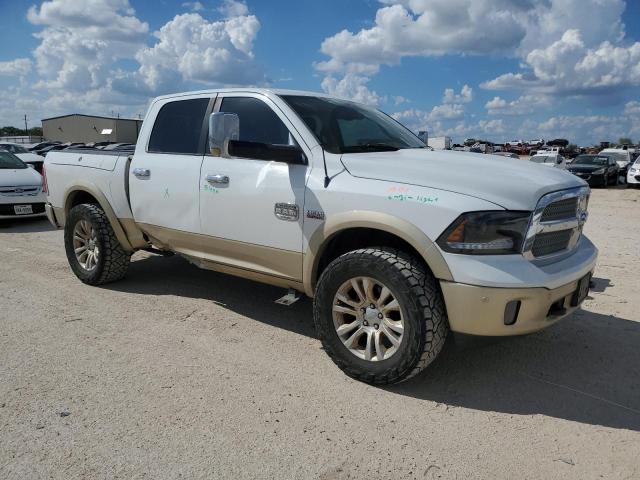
point(177, 372)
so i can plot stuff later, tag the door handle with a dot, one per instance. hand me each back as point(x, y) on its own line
point(218, 179)
point(142, 172)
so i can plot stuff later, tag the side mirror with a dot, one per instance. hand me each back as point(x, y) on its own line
point(223, 128)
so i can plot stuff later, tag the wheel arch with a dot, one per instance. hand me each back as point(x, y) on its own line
point(367, 227)
point(85, 192)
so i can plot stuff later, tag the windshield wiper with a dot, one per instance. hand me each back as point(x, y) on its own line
point(370, 147)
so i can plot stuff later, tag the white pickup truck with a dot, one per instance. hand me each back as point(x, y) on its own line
point(397, 244)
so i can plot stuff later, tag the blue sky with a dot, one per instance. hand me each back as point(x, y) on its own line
point(495, 69)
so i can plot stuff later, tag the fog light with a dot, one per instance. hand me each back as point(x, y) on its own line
point(511, 312)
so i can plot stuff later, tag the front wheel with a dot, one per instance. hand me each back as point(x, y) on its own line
point(380, 315)
point(94, 253)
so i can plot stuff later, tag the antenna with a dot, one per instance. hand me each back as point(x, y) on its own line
point(326, 175)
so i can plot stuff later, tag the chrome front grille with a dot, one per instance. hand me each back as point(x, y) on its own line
point(20, 191)
point(556, 225)
point(560, 210)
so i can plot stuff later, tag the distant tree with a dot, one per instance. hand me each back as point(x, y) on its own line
point(35, 131)
point(11, 132)
point(572, 147)
point(624, 141)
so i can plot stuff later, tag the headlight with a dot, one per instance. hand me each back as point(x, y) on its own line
point(633, 170)
point(486, 233)
point(598, 172)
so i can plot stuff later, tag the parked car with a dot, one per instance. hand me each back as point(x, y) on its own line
point(633, 175)
point(39, 146)
point(549, 159)
point(601, 170)
point(397, 244)
point(30, 158)
point(51, 148)
point(622, 157)
point(20, 188)
point(507, 154)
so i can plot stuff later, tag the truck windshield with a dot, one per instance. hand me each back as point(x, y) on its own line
point(10, 161)
point(348, 127)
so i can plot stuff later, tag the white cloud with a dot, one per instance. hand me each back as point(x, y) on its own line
point(78, 46)
point(632, 108)
point(233, 8)
point(351, 87)
point(194, 6)
point(523, 105)
point(18, 67)
point(423, 28)
point(570, 66)
point(465, 96)
point(190, 48)
point(78, 61)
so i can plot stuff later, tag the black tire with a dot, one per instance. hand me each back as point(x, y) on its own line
point(420, 298)
point(113, 260)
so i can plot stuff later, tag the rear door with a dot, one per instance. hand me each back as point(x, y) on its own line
point(165, 173)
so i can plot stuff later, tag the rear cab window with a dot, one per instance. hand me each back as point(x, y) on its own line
point(178, 127)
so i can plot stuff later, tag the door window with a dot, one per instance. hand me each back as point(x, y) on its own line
point(178, 127)
point(258, 123)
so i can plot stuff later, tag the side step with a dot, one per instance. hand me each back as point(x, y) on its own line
point(290, 298)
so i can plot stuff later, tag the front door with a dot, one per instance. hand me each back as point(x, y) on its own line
point(164, 174)
point(251, 210)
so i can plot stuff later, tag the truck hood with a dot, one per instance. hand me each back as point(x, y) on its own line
point(507, 182)
point(19, 177)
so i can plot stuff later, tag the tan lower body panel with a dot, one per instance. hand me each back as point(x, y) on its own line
point(480, 310)
point(264, 264)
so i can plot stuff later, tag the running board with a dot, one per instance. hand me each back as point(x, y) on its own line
point(290, 298)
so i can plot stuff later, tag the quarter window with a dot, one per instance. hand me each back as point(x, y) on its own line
point(178, 127)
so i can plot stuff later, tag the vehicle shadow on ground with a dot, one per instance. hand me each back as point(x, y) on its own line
point(157, 275)
point(584, 369)
point(25, 225)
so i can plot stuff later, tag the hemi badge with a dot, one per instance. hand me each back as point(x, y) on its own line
point(315, 214)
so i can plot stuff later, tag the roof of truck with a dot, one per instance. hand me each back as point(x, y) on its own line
point(264, 91)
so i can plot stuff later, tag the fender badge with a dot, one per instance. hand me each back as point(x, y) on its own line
point(315, 214)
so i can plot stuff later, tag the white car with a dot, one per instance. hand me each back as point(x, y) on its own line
point(397, 244)
point(20, 189)
point(633, 175)
point(550, 159)
point(20, 151)
point(622, 157)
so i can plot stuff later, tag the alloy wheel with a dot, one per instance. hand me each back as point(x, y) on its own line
point(368, 319)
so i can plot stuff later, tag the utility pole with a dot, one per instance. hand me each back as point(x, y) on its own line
point(26, 130)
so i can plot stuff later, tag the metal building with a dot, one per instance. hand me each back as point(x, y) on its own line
point(76, 127)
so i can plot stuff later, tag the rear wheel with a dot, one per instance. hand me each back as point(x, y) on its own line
point(93, 251)
point(380, 315)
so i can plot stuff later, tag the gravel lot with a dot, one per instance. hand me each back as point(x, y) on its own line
point(181, 373)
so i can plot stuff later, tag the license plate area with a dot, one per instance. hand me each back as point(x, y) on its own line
point(23, 209)
point(582, 291)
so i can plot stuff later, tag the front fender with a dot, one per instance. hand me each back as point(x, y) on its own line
point(374, 220)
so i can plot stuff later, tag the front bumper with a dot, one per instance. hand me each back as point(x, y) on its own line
point(633, 178)
point(477, 310)
point(482, 287)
